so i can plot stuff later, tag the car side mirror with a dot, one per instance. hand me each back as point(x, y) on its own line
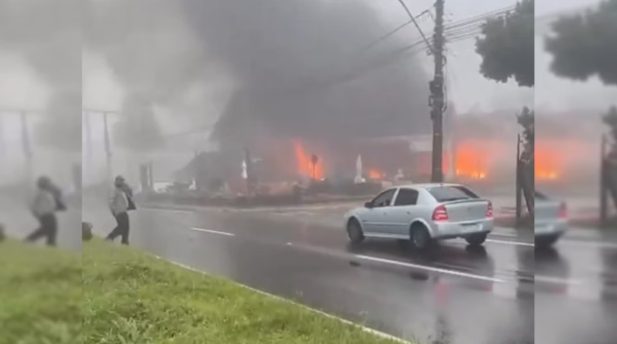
point(368, 205)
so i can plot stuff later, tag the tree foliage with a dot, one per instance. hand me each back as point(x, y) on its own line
point(507, 46)
point(585, 44)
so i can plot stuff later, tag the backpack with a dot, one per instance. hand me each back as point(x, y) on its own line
point(128, 192)
point(131, 203)
point(57, 194)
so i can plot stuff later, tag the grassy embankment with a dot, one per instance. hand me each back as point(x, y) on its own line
point(124, 296)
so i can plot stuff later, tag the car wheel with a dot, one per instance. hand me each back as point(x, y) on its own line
point(476, 239)
point(420, 237)
point(544, 242)
point(354, 231)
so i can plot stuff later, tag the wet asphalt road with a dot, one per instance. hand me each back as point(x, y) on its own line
point(455, 295)
point(576, 291)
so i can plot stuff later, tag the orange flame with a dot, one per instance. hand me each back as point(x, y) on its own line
point(470, 161)
point(304, 165)
point(375, 174)
point(547, 161)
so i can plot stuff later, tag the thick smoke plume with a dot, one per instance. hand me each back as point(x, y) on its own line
point(288, 59)
point(151, 52)
point(283, 55)
point(47, 35)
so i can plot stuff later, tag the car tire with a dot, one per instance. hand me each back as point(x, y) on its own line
point(420, 237)
point(476, 239)
point(354, 231)
point(545, 242)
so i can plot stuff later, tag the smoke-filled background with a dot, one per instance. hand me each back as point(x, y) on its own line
point(40, 110)
point(223, 72)
point(41, 82)
point(273, 68)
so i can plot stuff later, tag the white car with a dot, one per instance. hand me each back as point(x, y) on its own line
point(550, 220)
point(423, 213)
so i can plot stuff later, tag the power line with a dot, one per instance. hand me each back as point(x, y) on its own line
point(408, 50)
point(480, 18)
point(428, 44)
point(390, 33)
point(455, 32)
point(470, 29)
point(452, 36)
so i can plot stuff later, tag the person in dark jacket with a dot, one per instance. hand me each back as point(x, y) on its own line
point(120, 204)
point(44, 208)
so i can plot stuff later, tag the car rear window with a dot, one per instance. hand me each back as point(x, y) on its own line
point(451, 193)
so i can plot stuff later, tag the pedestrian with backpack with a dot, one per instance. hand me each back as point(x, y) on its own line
point(120, 203)
point(47, 201)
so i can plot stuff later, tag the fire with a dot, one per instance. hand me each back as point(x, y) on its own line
point(304, 163)
point(547, 160)
point(375, 174)
point(470, 161)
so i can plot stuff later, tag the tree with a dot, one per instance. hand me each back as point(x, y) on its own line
point(585, 45)
point(526, 120)
point(507, 46)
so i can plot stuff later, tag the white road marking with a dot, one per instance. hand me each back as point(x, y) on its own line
point(507, 242)
point(175, 211)
point(556, 280)
point(503, 234)
point(588, 244)
point(212, 232)
point(429, 268)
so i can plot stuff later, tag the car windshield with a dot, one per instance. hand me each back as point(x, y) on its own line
point(451, 193)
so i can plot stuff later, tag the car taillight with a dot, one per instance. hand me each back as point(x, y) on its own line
point(440, 214)
point(489, 210)
point(563, 211)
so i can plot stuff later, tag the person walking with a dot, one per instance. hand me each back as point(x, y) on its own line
point(119, 204)
point(44, 208)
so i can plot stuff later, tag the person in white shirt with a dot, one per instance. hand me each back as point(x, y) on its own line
point(44, 208)
point(119, 206)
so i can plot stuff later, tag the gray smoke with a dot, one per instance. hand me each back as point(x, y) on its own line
point(291, 59)
point(151, 52)
point(47, 35)
point(294, 63)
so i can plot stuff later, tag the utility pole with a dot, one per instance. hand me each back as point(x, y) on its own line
point(25, 137)
point(436, 99)
point(107, 147)
point(1, 142)
point(88, 135)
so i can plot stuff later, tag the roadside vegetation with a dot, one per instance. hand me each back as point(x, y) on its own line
point(40, 295)
point(123, 296)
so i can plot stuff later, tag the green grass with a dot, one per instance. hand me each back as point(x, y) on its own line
point(40, 295)
point(127, 296)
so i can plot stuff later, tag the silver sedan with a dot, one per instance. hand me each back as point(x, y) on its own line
point(422, 214)
point(550, 220)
